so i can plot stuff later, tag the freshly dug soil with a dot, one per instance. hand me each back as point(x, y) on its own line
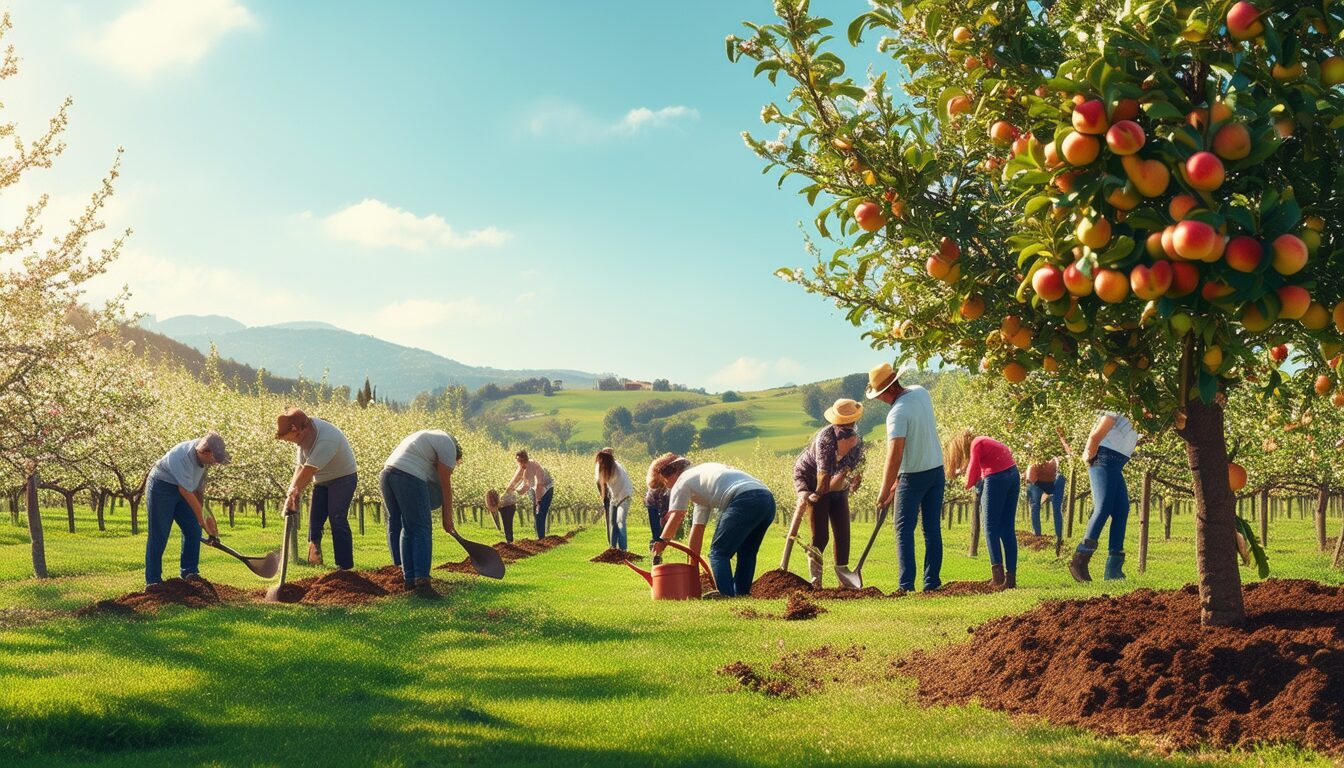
point(775, 584)
point(799, 672)
point(13, 618)
point(837, 593)
point(513, 552)
point(961, 588)
point(389, 577)
point(1141, 664)
point(341, 588)
point(801, 607)
point(509, 552)
point(618, 556)
point(193, 592)
point(1033, 542)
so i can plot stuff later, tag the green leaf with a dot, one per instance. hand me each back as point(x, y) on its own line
point(1120, 248)
point(1161, 110)
point(1208, 387)
point(1037, 204)
point(767, 65)
point(1257, 551)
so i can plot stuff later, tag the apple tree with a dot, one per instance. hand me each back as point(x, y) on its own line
point(1135, 199)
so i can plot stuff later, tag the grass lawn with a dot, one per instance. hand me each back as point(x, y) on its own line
point(563, 663)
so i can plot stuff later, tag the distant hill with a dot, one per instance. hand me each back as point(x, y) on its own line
point(157, 347)
point(308, 348)
point(188, 325)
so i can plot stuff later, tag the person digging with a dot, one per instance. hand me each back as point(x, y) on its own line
point(175, 492)
point(323, 458)
point(821, 476)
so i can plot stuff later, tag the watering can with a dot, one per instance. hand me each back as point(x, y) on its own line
point(674, 581)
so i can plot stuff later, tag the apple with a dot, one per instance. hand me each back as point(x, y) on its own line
point(1213, 358)
point(1195, 241)
point(1153, 246)
point(1125, 109)
point(1316, 318)
point(1201, 118)
point(1295, 300)
point(1090, 117)
point(1243, 253)
point(1079, 284)
point(1243, 21)
point(1094, 234)
point(1232, 142)
point(1184, 279)
point(1338, 316)
point(1124, 198)
point(948, 250)
point(1048, 282)
point(972, 308)
point(961, 35)
point(937, 268)
point(1284, 74)
point(1149, 283)
point(958, 105)
point(1332, 71)
point(1278, 353)
point(1204, 171)
point(1050, 156)
point(1020, 145)
point(1002, 132)
point(1111, 286)
point(1181, 205)
point(1236, 476)
point(870, 216)
point(1067, 182)
point(1125, 137)
point(1150, 177)
point(1021, 339)
point(1014, 372)
point(1050, 364)
point(1079, 149)
point(1181, 323)
point(1214, 291)
point(1285, 126)
point(1290, 254)
point(1253, 320)
point(1323, 384)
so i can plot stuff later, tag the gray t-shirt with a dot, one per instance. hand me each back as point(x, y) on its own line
point(911, 417)
point(330, 455)
point(420, 451)
point(181, 467)
point(1123, 437)
point(709, 486)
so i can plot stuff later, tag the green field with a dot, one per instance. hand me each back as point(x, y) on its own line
point(778, 423)
point(564, 663)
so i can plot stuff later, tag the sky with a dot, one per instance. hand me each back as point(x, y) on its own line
point(530, 184)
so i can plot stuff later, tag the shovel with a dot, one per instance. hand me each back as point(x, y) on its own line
point(484, 559)
point(854, 579)
point(264, 566)
point(792, 536)
point(273, 594)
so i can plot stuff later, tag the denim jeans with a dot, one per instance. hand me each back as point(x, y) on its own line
point(506, 519)
point(166, 507)
point(655, 523)
point(1056, 492)
point(619, 511)
point(998, 508)
point(740, 531)
point(543, 509)
point(410, 532)
point(1110, 499)
point(331, 502)
point(919, 499)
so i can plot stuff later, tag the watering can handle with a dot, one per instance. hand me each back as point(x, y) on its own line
point(696, 558)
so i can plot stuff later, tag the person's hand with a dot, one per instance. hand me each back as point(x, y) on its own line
point(855, 483)
point(658, 547)
point(448, 525)
point(813, 498)
point(292, 500)
point(211, 527)
point(885, 498)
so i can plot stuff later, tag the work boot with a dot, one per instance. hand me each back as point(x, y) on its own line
point(814, 567)
point(996, 577)
point(314, 553)
point(1078, 565)
point(424, 587)
point(1059, 545)
point(713, 594)
point(1010, 580)
point(1113, 562)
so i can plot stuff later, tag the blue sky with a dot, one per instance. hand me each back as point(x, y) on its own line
point(529, 184)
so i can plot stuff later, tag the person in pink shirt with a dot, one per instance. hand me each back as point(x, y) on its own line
point(987, 459)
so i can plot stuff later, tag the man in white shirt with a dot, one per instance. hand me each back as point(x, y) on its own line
point(175, 491)
point(416, 479)
point(322, 457)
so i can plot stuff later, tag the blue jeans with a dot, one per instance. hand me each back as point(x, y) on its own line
point(410, 532)
point(1110, 499)
point(655, 523)
point(740, 531)
point(619, 512)
point(1056, 492)
point(919, 498)
point(998, 508)
point(543, 509)
point(166, 507)
point(331, 502)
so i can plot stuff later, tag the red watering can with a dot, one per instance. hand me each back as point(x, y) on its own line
point(674, 581)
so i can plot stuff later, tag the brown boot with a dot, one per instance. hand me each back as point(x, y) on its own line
point(314, 553)
point(1078, 565)
point(1010, 580)
point(997, 575)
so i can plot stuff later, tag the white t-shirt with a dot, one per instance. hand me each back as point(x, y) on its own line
point(420, 452)
point(330, 456)
point(1122, 438)
point(181, 467)
point(619, 488)
point(709, 486)
point(911, 417)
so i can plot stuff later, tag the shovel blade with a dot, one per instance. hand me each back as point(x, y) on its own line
point(484, 559)
point(849, 579)
point(265, 567)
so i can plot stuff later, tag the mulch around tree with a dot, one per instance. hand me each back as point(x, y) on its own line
point(800, 672)
point(1033, 542)
point(1140, 664)
point(192, 592)
point(617, 556)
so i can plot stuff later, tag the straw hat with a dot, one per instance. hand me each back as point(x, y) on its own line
point(844, 412)
point(882, 377)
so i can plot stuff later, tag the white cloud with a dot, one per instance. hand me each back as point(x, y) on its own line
point(750, 373)
point(571, 121)
point(375, 224)
point(410, 315)
point(156, 36)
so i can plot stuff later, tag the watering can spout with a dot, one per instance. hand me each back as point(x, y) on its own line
point(646, 574)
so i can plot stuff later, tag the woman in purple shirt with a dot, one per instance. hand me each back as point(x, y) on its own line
point(826, 471)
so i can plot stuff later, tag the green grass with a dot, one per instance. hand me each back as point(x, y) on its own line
point(563, 663)
point(587, 407)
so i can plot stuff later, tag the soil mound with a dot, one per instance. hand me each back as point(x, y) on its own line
point(800, 607)
point(837, 593)
point(509, 552)
point(800, 672)
point(389, 577)
point(778, 583)
point(960, 588)
point(341, 588)
point(1033, 542)
point(193, 592)
point(519, 549)
point(614, 555)
point(1141, 664)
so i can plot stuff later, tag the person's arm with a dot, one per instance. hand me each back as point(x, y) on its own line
point(973, 466)
point(670, 526)
point(1068, 450)
point(697, 537)
point(517, 476)
point(194, 499)
point(891, 471)
point(445, 473)
point(1103, 426)
point(302, 477)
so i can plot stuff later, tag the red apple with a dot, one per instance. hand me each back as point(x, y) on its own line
point(1048, 282)
point(1125, 137)
point(1290, 254)
point(870, 216)
point(1295, 300)
point(1243, 21)
point(1243, 253)
point(1090, 117)
point(1232, 142)
point(1079, 284)
point(1184, 279)
point(1204, 171)
point(1149, 283)
point(1195, 241)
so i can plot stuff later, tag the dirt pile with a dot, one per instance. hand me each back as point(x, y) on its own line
point(618, 556)
point(838, 593)
point(1141, 664)
point(800, 607)
point(192, 592)
point(1033, 542)
point(519, 549)
point(775, 584)
point(800, 672)
point(961, 588)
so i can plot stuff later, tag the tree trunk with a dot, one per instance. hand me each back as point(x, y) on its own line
point(1216, 555)
point(1338, 562)
point(1322, 499)
point(135, 513)
point(1264, 517)
point(361, 516)
point(1166, 521)
point(70, 510)
point(1144, 516)
point(35, 529)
